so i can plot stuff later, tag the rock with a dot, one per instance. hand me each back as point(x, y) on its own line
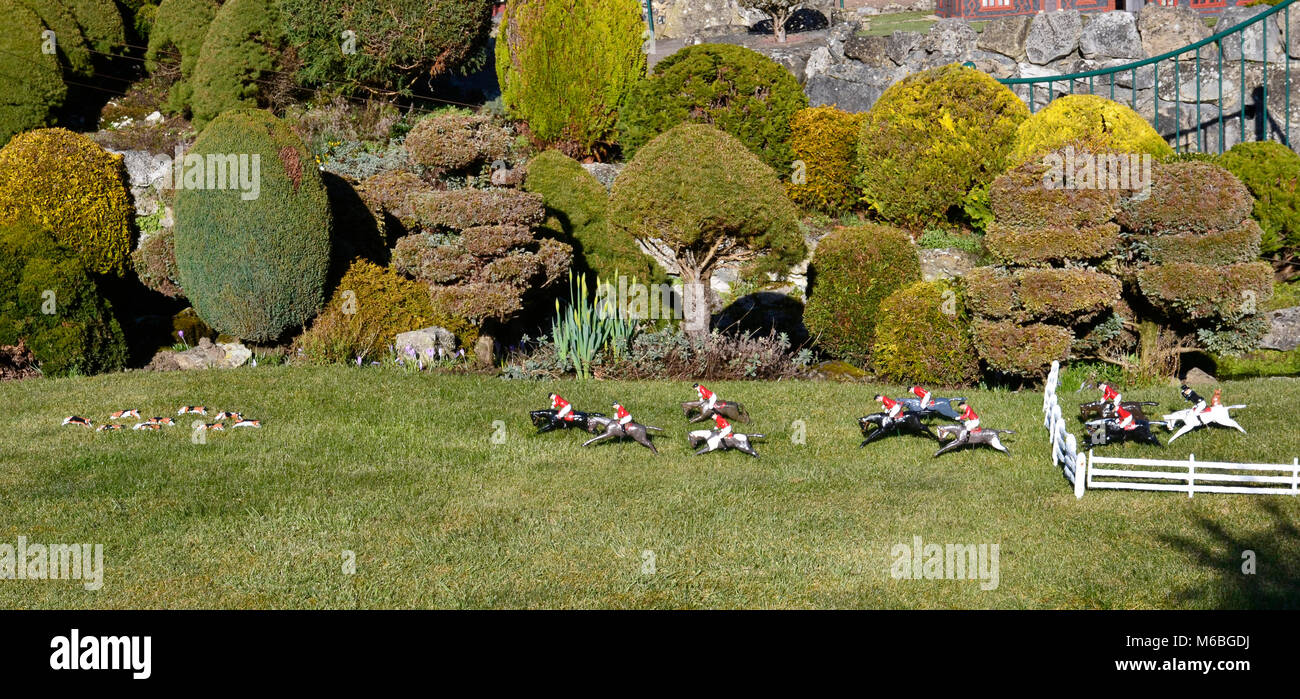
point(1250, 47)
point(432, 342)
point(485, 350)
point(1164, 29)
point(154, 117)
point(680, 19)
point(1197, 377)
point(508, 177)
point(205, 355)
point(1284, 330)
point(1294, 48)
point(1006, 35)
point(902, 43)
point(819, 61)
point(837, 36)
point(723, 278)
point(871, 50)
point(1111, 35)
point(851, 86)
point(1144, 77)
point(236, 354)
point(794, 61)
point(605, 173)
point(950, 38)
point(945, 263)
point(837, 370)
point(1053, 35)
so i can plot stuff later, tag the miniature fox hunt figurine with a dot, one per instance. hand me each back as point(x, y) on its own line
point(561, 415)
point(227, 415)
point(623, 426)
point(969, 433)
point(708, 404)
point(166, 421)
point(192, 410)
point(77, 420)
point(722, 437)
point(121, 414)
point(247, 423)
point(895, 419)
point(1111, 401)
point(1201, 415)
point(109, 427)
point(147, 426)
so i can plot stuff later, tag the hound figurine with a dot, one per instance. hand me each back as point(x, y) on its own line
point(122, 414)
point(1201, 414)
point(893, 420)
point(247, 423)
point(162, 421)
point(147, 426)
point(722, 437)
point(227, 415)
point(77, 420)
point(192, 410)
point(622, 426)
point(708, 405)
point(109, 427)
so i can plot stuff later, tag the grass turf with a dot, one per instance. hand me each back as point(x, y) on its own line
point(401, 469)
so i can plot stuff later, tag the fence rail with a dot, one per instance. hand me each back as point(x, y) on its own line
point(1191, 476)
point(1207, 125)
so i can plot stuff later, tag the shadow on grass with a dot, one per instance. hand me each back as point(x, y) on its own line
point(1276, 546)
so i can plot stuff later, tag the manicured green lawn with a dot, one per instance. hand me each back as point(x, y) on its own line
point(401, 469)
point(884, 25)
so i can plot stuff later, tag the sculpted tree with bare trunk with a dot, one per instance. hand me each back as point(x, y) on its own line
point(779, 10)
point(697, 199)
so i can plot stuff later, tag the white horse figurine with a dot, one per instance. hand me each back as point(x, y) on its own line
point(1192, 418)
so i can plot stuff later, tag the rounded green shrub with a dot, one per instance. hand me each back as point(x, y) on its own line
point(824, 140)
point(31, 81)
point(1188, 197)
point(1188, 291)
point(1088, 118)
point(154, 261)
point(932, 140)
point(383, 45)
point(65, 182)
point(852, 271)
point(239, 52)
point(737, 90)
point(179, 28)
point(70, 44)
point(566, 66)
point(577, 212)
point(455, 142)
point(923, 336)
point(48, 299)
point(100, 22)
point(1271, 172)
point(255, 267)
point(1021, 350)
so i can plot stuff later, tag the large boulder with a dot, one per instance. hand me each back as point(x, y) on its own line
point(1250, 45)
point(950, 39)
point(871, 50)
point(205, 355)
point(1111, 35)
point(1164, 29)
point(851, 86)
point(1281, 19)
point(1006, 35)
point(433, 342)
point(680, 19)
point(1284, 329)
point(1053, 35)
point(901, 43)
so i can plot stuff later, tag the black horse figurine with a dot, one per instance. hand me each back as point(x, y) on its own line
point(1107, 431)
point(1104, 409)
point(908, 422)
point(938, 406)
point(961, 437)
point(608, 428)
point(709, 438)
point(729, 409)
point(545, 421)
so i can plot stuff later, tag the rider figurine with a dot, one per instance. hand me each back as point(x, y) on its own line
point(707, 398)
point(724, 431)
point(1198, 403)
point(622, 415)
point(924, 395)
point(892, 407)
point(969, 419)
point(1108, 393)
point(1125, 419)
point(564, 411)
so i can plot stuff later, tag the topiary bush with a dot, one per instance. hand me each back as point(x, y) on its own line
point(48, 300)
point(67, 183)
point(577, 213)
point(698, 197)
point(394, 42)
point(255, 268)
point(179, 27)
point(852, 271)
point(154, 261)
point(566, 66)
point(31, 81)
point(1074, 295)
point(933, 139)
point(824, 139)
point(467, 208)
point(371, 305)
point(456, 142)
point(1188, 197)
point(1192, 292)
point(1043, 246)
point(1271, 172)
point(1019, 197)
point(735, 89)
point(237, 60)
point(1096, 120)
point(1021, 350)
point(100, 22)
point(70, 44)
point(923, 336)
point(1239, 244)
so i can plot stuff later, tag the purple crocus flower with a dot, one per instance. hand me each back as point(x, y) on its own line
point(358, 360)
point(430, 353)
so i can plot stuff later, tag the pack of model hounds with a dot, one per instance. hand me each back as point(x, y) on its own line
point(154, 424)
point(903, 415)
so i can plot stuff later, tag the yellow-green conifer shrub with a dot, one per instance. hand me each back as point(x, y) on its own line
point(67, 183)
point(824, 141)
point(1103, 123)
point(923, 336)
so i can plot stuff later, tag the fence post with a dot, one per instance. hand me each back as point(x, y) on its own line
point(1295, 475)
point(1191, 475)
point(1080, 469)
point(1087, 469)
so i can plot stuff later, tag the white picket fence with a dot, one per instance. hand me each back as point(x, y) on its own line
point(1192, 476)
point(1064, 448)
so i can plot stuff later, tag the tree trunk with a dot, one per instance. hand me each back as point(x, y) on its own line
point(697, 311)
point(778, 24)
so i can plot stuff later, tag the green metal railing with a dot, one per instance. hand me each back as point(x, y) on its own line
point(1264, 128)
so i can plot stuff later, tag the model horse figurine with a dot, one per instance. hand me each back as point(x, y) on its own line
point(722, 438)
point(894, 420)
point(621, 426)
point(708, 405)
point(969, 433)
point(925, 405)
point(1201, 414)
point(1111, 401)
point(561, 416)
point(1123, 427)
